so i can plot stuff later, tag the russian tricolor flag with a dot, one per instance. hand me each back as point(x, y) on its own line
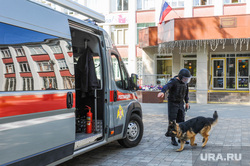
point(164, 11)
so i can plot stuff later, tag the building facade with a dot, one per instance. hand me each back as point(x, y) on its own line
point(214, 50)
point(211, 39)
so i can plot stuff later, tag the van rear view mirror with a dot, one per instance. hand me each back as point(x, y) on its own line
point(133, 82)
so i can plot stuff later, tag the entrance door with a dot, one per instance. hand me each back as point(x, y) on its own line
point(243, 74)
point(218, 73)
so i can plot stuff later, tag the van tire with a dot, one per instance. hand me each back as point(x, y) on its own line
point(134, 132)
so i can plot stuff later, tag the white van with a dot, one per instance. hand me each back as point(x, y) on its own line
point(54, 69)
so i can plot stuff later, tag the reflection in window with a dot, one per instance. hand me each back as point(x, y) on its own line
point(28, 84)
point(25, 67)
point(62, 64)
point(49, 83)
point(120, 74)
point(45, 66)
point(56, 49)
point(6, 53)
point(69, 82)
point(10, 68)
point(230, 72)
point(20, 52)
point(190, 64)
point(37, 50)
point(10, 84)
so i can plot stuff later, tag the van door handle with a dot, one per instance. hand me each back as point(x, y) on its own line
point(69, 100)
point(115, 95)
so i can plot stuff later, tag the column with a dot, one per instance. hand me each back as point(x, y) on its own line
point(188, 8)
point(132, 28)
point(247, 6)
point(19, 80)
point(202, 76)
point(158, 6)
point(37, 80)
point(218, 8)
point(2, 72)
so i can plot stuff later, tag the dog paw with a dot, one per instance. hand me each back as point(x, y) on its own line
point(179, 150)
point(203, 145)
point(195, 144)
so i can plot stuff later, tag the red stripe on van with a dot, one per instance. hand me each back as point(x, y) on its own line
point(122, 96)
point(28, 104)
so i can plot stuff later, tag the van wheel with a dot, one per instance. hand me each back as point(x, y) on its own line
point(134, 132)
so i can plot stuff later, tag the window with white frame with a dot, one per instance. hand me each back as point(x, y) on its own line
point(56, 49)
point(6, 53)
point(202, 2)
point(62, 64)
point(175, 3)
point(10, 68)
point(49, 82)
point(28, 83)
point(45, 66)
point(37, 50)
point(234, 1)
point(10, 84)
point(25, 67)
point(20, 51)
point(119, 34)
point(145, 4)
point(121, 5)
point(69, 82)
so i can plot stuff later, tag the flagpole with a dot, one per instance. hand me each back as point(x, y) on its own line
point(176, 13)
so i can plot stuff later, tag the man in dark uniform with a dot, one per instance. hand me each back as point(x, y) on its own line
point(178, 92)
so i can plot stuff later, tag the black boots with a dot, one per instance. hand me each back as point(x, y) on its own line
point(173, 141)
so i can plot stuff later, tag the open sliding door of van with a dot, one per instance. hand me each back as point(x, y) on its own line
point(89, 86)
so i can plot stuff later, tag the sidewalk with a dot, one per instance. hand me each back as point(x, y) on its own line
point(230, 134)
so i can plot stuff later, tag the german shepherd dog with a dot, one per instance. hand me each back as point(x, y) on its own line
point(188, 129)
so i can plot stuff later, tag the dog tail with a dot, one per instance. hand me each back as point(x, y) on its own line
point(215, 118)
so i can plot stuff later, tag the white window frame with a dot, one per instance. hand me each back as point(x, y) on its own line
point(25, 67)
point(8, 82)
point(62, 64)
point(28, 86)
point(10, 68)
point(116, 5)
point(123, 36)
point(41, 66)
point(70, 80)
point(20, 51)
point(209, 2)
point(6, 53)
point(37, 50)
point(144, 3)
point(230, 1)
point(178, 2)
point(50, 80)
point(56, 49)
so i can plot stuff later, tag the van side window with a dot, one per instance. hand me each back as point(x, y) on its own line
point(31, 60)
point(119, 72)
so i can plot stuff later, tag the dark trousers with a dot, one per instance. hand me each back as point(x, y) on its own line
point(176, 111)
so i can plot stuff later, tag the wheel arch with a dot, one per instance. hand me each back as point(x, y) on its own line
point(133, 108)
